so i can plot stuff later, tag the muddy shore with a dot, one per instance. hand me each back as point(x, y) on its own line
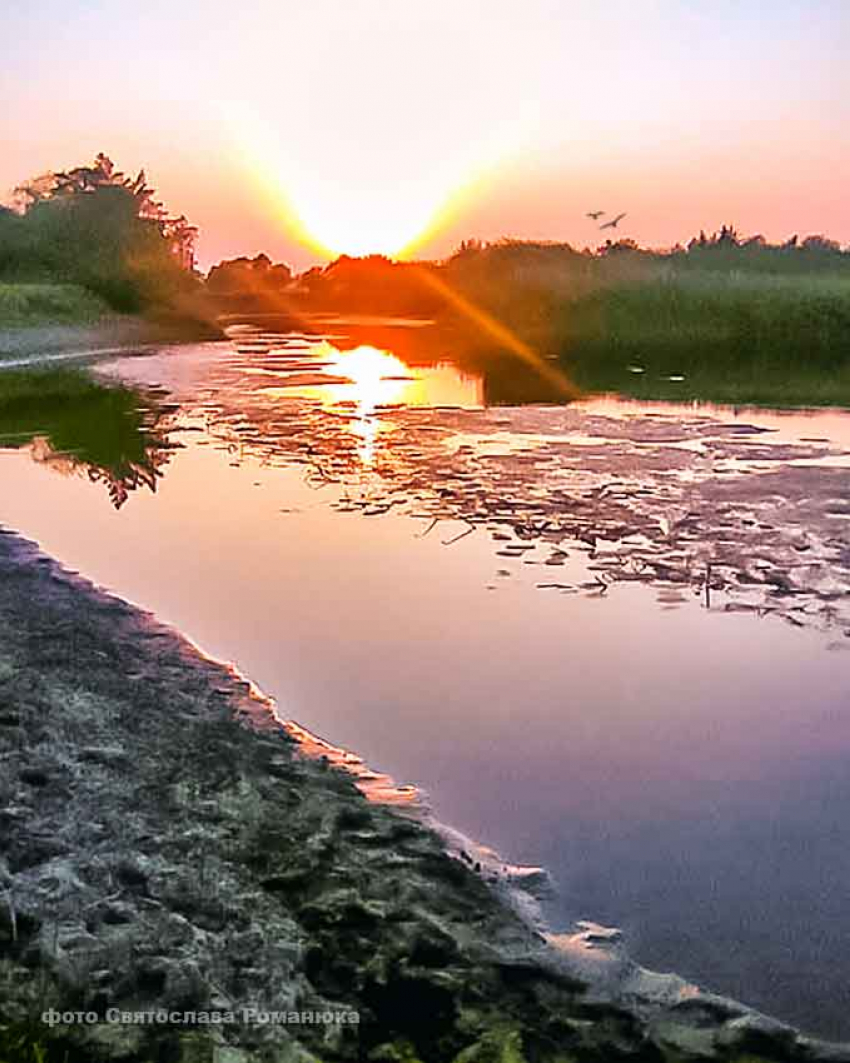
point(166, 843)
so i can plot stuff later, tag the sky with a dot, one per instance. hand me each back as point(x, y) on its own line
point(310, 128)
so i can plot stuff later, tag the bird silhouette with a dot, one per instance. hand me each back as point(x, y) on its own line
point(612, 224)
point(595, 214)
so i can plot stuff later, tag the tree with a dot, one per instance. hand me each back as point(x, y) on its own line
point(821, 244)
point(89, 180)
point(727, 237)
point(95, 226)
point(249, 275)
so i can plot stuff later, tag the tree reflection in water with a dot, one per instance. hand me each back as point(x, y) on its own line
point(111, 435)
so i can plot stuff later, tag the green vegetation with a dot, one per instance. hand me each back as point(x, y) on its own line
point(108, 433)
point(754, 338)
point(727, 319)
point(25, 1042)
point(66, 304)
point(97, 229)
point(722, 321)
point(25, 392)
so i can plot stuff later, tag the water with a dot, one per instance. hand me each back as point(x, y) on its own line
point(541, 616)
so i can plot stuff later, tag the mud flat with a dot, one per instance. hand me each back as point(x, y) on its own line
point(167, 844)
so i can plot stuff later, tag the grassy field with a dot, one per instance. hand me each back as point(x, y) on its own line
point(26, 305)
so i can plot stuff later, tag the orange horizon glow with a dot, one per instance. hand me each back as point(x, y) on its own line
point(356, 210)
point(310, 131)
point(364, 212)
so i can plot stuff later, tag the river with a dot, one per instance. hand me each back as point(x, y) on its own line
point(607, 638)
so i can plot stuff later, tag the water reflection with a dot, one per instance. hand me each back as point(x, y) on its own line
point(696, 503)
point(350, 386)
point(368, 380)
point(109, 435)
point(642, 755)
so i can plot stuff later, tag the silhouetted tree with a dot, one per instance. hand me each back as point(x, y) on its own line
point(727, 237)
point(249, 275)
point(821, 244)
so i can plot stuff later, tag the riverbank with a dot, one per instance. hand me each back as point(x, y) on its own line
point(53, 322)
point(159, 854)
point(25, 346)
point(725, 322)
point(35, 303)
point(681, 337)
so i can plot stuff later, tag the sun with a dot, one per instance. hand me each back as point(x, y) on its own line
point(359, 222)
point(356, 208)
point(356, 216)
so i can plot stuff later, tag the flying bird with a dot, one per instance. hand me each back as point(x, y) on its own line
point(612, 224)
point(595, 214)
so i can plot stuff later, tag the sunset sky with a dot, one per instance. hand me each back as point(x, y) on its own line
point(313, 127)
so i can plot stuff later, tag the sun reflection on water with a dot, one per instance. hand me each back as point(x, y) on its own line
point(367, 381)
point(379, 379)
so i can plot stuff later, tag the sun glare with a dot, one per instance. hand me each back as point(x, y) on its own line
point(370, 368)
point(379, 378)
point(364, 219)
point(368, 381)
point(358, 209)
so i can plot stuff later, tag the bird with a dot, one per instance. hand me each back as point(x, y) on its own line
point(595, 214)
point(612, 224)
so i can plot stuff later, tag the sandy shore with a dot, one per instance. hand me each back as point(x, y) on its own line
point(165, 843)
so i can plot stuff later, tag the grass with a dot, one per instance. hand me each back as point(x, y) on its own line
point(720, 337)
point(664, 332)
point(26, 305)
point(729, 322)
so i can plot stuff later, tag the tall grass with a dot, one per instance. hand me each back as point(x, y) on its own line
point(735, 337)
point(24, 304)
point(712, 325)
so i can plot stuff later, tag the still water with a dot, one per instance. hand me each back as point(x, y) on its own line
point(608, 639)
